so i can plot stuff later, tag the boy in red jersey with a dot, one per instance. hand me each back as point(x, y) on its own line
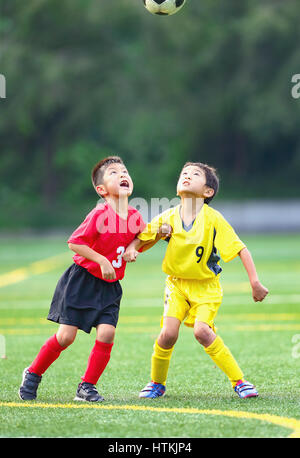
point(88, 294)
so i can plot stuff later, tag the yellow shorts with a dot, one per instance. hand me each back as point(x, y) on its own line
point(192, 300)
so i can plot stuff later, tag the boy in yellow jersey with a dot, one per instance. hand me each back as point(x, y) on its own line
point(193, 294)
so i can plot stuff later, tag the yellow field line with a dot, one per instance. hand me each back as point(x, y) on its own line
point(266, 327)
point(35, 268)
point(259, 317)
point(234, 287)
point(143, 319)
point(155, 329)
point(285, 422)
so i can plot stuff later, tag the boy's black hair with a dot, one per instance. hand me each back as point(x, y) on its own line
point(101, 166)
point(212, 179)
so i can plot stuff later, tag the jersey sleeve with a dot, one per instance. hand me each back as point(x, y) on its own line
point(142, 224)
point(136, 223)
point(227, 241)
point(151, 229)
point(88, 230)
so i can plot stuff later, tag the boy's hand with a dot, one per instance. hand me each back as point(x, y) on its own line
point(108, 272)
point(259, 292)
point(165, 230)
point(130, 255)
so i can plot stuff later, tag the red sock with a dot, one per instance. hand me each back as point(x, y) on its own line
point(49, 352)
point(97, 362)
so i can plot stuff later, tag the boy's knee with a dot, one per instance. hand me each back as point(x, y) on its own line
point(66, 335)
point(167, 338)
point(204, 334)
point(65, 339)
point(106, 333)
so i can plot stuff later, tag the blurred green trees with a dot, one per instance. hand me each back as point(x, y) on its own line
point(87, 78)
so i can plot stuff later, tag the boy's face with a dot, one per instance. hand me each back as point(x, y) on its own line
point(116, 182)
point(192, 182)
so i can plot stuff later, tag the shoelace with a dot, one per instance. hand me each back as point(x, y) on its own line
point(245, 386)
point(91, 389)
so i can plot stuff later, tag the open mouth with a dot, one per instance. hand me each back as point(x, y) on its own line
point(124, 184)
point(186, 182)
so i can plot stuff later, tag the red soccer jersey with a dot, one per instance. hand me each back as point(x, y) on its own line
point(106, 232)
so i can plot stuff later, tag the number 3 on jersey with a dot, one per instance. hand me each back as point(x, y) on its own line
point(118, 262)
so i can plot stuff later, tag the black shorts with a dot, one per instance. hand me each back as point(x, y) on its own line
point(83, 300)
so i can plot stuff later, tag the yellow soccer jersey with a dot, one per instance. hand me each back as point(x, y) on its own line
point(192, 253)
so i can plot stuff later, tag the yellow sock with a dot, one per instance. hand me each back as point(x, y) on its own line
point(223, 358)
point(160, 363)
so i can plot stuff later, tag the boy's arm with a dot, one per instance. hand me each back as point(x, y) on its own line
point(138, 245)
point(135, 247)
point(259, 292)
point(108, 272)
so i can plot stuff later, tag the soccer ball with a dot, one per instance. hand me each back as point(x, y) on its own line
point(164, 7)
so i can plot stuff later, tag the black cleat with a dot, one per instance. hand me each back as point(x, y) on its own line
point(87, 392)
point(30, 383)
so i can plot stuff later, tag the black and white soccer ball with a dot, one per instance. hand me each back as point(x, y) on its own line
point(164, 7)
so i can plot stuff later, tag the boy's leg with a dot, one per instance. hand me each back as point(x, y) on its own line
point(52, 348)
point(175, 310)
point(163, 349)
point(160, 361)
point(100, 354)
point(48, 353)
point(223, 358)
point(97, 362)
point(218, 351)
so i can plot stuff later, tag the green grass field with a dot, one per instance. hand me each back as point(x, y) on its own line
point(199, 402)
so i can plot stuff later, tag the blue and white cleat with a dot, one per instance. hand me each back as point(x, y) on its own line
point(153, 390)
point(245, 389)
point(29, 386)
